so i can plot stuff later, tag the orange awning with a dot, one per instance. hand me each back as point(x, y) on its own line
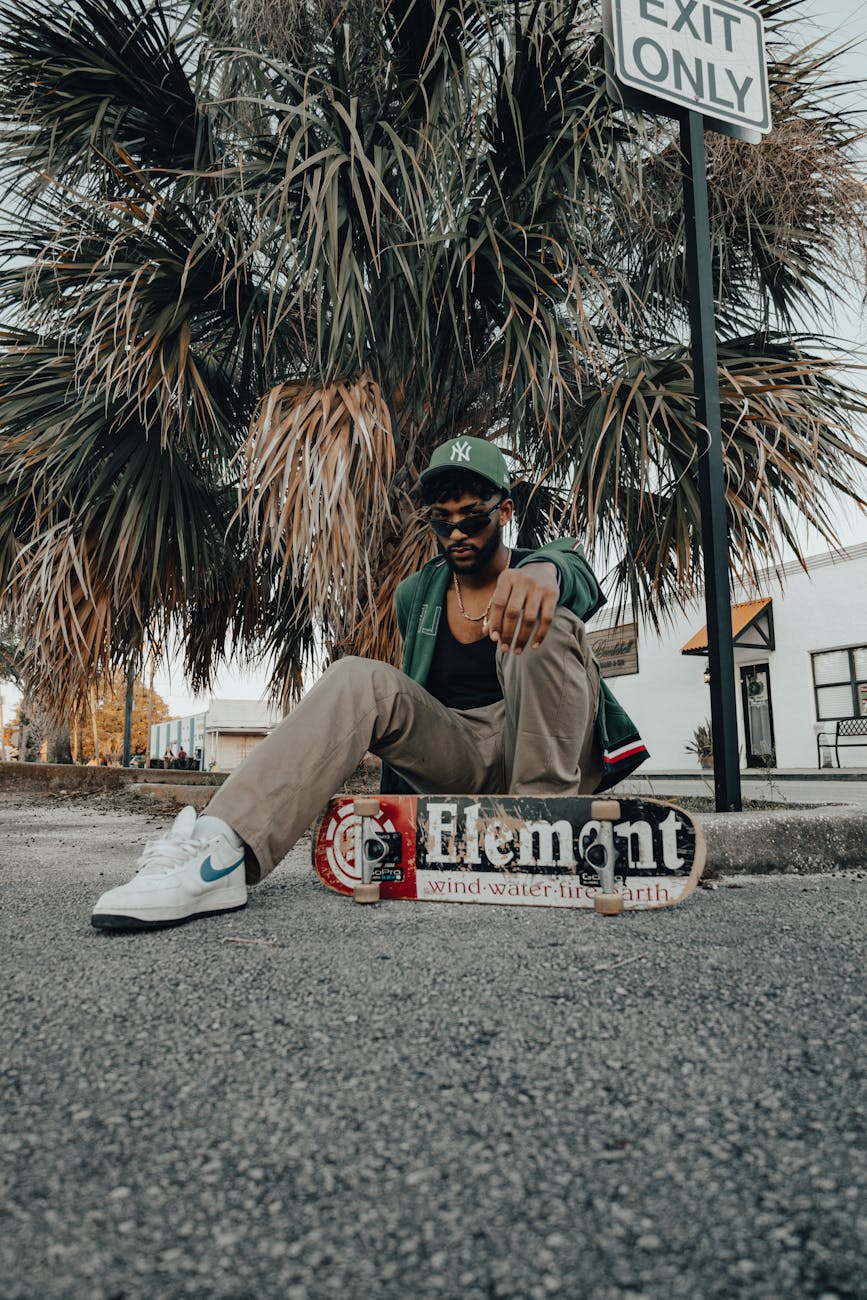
point(744, 616)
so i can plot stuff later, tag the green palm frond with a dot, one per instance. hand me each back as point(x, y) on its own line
point(103, 524)
point(790, 453)
point(788, 215)
point(86, 78)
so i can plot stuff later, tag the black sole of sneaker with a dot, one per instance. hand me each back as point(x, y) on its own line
point(111, 921)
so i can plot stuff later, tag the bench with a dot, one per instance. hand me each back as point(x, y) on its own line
point(850, 733)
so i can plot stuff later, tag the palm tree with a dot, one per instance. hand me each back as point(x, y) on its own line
point(261, 257)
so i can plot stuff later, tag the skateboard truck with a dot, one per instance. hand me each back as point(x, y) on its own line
point(369, 851)
point(600, 856)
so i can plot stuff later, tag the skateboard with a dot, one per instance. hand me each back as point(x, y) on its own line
point(611, 855)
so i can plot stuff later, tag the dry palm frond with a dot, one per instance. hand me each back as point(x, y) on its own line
point(795, 176)
point(280, 27)
point(789, 450)
point(287, 29)
point(316, 471)
point(67, 608)
point(788, 215)
point(787, 442)
point(376, 634)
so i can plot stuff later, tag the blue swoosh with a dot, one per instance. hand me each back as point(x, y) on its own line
point(209, 874)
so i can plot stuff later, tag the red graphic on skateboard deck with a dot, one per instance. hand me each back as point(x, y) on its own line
point(337, 846)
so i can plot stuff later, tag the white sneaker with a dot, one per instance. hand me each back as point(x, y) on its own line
point(197, 867)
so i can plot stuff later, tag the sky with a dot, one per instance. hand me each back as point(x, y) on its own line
point(839, 22)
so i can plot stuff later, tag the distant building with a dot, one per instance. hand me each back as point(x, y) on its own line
point(800, 664)
point(218, 739)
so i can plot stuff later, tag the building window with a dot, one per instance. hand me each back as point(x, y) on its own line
point(840, 683)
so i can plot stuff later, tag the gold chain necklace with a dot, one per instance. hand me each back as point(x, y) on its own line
point(480, 617)
point(469, 617)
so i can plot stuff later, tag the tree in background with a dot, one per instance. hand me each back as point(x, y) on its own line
point(108, 700)
point(9, 658)
point(34, 735)
point(11, 650)
point(263, 256)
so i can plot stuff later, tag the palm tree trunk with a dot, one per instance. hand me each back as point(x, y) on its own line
point(58, 749)
point(93, 721)
point(127, 714)
point(23, 727)
point(150, 708)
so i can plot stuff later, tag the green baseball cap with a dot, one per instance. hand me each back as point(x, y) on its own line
point(475, 455)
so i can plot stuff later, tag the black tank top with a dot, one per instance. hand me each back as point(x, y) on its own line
point(463, 676)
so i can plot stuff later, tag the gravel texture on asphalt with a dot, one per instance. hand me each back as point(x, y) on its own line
point(310, 1099)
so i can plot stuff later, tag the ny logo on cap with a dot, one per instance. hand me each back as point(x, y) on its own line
point(461, 451)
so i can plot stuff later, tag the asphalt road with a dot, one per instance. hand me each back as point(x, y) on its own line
point(425, 1101)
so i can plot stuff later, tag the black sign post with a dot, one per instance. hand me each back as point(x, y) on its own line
point(707, 68)
point(711, 480)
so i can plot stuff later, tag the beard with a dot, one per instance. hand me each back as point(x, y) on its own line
point(480, 558)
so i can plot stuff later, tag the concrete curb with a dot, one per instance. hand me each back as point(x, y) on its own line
point(753, 780)
point(788, 842)
point(781, 842)
point(784, 842)
point(74, 778)
point(176, 796)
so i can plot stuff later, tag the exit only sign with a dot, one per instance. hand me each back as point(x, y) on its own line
point(707, 55)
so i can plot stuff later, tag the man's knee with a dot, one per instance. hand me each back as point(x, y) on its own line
point(566, 629)
point(349, 668)
point(357, 674)
point(565, 645)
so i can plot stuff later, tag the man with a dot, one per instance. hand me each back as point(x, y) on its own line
point(499, 693)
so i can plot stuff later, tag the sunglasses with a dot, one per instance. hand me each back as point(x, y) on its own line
point(469, 526)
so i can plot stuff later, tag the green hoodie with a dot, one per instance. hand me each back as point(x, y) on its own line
point(419, 601)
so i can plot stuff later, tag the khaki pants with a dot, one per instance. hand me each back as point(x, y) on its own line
point(539, 739)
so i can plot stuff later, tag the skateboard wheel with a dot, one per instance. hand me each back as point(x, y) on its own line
point(366, 893)
point(365, 807)
point(608, 904)
point(605, 810)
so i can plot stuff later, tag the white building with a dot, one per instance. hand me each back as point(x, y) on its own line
point(220, 738)
point(800, 664)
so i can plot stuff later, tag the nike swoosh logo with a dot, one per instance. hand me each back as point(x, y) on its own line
point(209, 873)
